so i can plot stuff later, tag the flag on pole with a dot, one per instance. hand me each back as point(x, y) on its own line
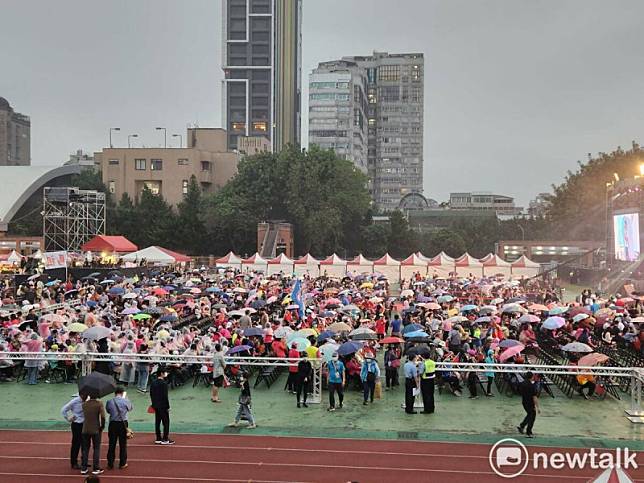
point(296, 297)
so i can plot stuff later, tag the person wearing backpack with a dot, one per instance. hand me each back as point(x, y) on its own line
point(369, 375)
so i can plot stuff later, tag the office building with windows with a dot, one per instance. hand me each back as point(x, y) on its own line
point(338, 110)
point(393, 87)
point(484, 201)
point(15, 136)
point(262, 63)
point(167, 171)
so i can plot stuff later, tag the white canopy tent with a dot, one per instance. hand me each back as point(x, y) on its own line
point(154, 254)
point(359, 265)
point(442, 265)
point(523, 267)
point(280, 263)
point(413, 264)
point(307, 265)
point(229, 261)
point(255, 264)
point(333, 266)
point(388, 266)
point(467, 265)
point(495, 265)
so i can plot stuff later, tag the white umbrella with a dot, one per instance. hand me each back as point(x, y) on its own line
point(577, 347)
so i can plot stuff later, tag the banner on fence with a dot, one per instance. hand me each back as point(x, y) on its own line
point(55, 259)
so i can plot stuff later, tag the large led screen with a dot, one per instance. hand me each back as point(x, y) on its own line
point(626, 228)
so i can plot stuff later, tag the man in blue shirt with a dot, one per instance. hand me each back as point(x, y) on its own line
point(337, 379)
point(369, 374)
point(396, 325)
point(118, 408)
point(411, 383)
point(73, 413)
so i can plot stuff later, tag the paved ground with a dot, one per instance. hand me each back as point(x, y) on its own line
point(563, 422)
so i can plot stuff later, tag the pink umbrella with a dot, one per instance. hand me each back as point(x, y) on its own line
point(511, 352)
point(433, 306)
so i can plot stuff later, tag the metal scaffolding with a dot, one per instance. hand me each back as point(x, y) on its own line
point(71, 217)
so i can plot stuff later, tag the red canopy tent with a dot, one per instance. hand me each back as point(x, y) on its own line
point(230, 261)
point(441, 265)
point(334, 266)
point(179, 257)
point(495, 265)
point(109, 244)
point(360, 265)
point(414, 263)
point(388, 266)
point(307, 265)
point(466, 264)
point(280, 263)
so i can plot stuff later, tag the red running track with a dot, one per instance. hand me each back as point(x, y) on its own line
point(30, 456)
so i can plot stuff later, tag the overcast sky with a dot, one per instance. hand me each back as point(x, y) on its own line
point(516, 91)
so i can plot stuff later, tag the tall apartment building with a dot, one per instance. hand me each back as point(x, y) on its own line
point(15, 136)
point(262, 62)
point(338, 110)
point(393, 85)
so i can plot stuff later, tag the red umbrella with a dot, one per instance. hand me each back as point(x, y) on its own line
point(511, 352)
point(391, 340)
point(578, 310)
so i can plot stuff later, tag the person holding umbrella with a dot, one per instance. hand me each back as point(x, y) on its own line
point(161, 406)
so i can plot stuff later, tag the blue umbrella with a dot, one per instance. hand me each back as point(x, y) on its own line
point(415, 334)
point(467, 308)
point(53, 282)
point(412, 328)
point(327, 334)
point(169, 288)
point(349, 348)
point(117, 291)
point(327, 313)
point(483, 320)
point(557, 311)
point(552, 323)
point(91, 303)
point(213, 289)
point(258, 304)
point(168, 318)
point(253, 331)
point(238, 349)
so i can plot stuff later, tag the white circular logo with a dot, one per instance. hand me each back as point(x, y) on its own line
point(509, 458)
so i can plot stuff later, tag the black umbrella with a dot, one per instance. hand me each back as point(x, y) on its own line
point(95, 274)
point(421, 350)
point(97, 384)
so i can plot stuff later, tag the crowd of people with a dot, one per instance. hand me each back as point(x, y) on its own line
point(359, 329)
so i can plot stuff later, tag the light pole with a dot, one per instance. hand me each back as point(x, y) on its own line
point(180, 139)
point(165, 136)
point(113, 129)
point(522, 231)
point(129, 138)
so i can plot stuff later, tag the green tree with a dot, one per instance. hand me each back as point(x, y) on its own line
point(375, 239)
point(443, 240)
point(191, 232)
point(155, 222)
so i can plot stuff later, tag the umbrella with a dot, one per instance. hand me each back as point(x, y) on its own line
point(349, 348)
point(511, 352)
point(579, 317)
point(538, 308)
point(282, 332)
point(483, 320)
point(253, 332)
point(416, 334)
point(299, 344)
point(604, 313)
point(553, 323)
point(117, 291)
point(89, 278)
point(577, 347)
point(24, 325)
point(130, 311)
point(512, 308)
point(239, 290)
point(153, 310)
point(168, 318)
point(97, 332)
point(516, 300)
point(363, 333)
point(258, 304)
point(106, 281)
point(292, 307)
point(507, 343)
point(557, 311)
point(327, 334)
point(271, 300)
point(433, 306)
point(96, 384)
point(130, 295)
point(306, 333)
point(349, 308)
point(159, 292)
point(368, 285)
point(52, 282)
point(444, 299)
point(528, 318)
point(407, 293)
point(578, 310)
point(592, 359)
point(391, 340)
point(327, 313)
point(213, 289)
point(142, 316)
point(327, 350)
point(457, 319)
point(71, 292)
point(339, 327)
point(195, 290)
point(412, 328)
point(237, 349)
point(468, 308)
point(488, 310)
point(420, 350)
point(77, 327)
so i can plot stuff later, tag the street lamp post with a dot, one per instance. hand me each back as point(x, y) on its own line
point(180, 139)
point(165, 136)
point(113, 129)
point(522, 231)
point(129, 139)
